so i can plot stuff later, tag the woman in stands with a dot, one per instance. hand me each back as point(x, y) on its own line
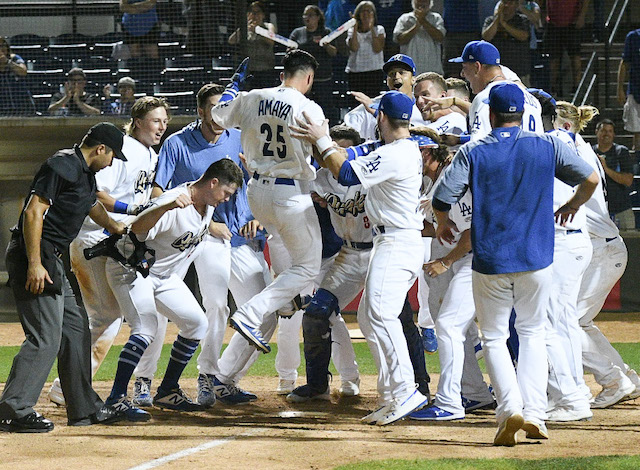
point(366, 58)
point(15, 98)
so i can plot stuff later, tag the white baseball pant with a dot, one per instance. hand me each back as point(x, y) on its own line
point(495, 295)
point(425, 319)
point(606, 267)
point(395, 261)
point(571, 256)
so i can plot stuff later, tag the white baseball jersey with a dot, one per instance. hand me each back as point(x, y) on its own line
point(599, 223)
point(479, 124)
point(264, 115)
point(365, 122)
point(346, 207)
point(452, 123)
point(460, 214)
point(177, 235)
point(562, 192)
point(392, 174)
point(130, 182)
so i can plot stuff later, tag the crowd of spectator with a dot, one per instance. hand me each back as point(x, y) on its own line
point(383, 28)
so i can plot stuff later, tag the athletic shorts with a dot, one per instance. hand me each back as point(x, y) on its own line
point(631, 115)
point(558, 39)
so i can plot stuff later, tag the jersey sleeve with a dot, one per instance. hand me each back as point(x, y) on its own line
point(107, 179)
point(227, 114)
point(373, 169)
point(167, 159)
point(314, 111)
point(47, 184)
point(480, 126)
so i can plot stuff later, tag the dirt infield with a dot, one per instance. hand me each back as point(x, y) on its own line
point(273, 434)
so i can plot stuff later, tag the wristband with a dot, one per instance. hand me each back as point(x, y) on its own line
point(327, 152)
point(120, 207)
point(443, 265)
point(324, 143)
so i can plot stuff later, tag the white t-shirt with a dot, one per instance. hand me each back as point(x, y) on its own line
point(562, 192)
point(346, 207)
point(130, 182)
point(365, 122)
point(599, 223)
point(264, 116)
point(364, 59)
point(392, 176)
point(177, 235)
point(479, 124)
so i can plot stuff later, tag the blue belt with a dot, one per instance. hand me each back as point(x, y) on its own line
point(569, 232)
point(358, 245)
point(287, 181)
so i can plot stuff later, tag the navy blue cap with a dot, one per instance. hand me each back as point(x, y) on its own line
point(424, 141)
point(542, 93)
point(402, 60)
point(395, 104)
point(506, 98)
point(479, 51)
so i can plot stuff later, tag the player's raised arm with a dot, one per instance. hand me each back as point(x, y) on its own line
point(147, 219)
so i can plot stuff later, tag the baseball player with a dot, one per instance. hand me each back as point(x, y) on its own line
point(481, 67)
point(512, 240)
point(618, 380)
point(341, 282)
point(174, 226)
point(572, 253)
point(392, 175)
point(124, 188)
point(184, 157)
point(278, 191)
point(400, 71)
point(616, 377)
point(451, 299)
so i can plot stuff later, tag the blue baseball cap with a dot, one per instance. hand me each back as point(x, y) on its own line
point(542, 93)
point(402, 60)
point(395, 104)
point(424, 141)
point(506, 98)
point(479, 51)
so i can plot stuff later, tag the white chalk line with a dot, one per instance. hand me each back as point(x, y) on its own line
point(186, 452)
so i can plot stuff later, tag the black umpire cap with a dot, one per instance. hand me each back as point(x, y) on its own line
point(109, 135)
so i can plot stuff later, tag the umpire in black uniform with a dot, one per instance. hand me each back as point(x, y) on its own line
point(62, 194)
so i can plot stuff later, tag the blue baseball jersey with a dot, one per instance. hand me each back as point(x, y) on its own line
point(510, 173)
point(186, 155)
point(631, 56)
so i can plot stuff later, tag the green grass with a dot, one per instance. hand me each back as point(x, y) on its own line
point(264, 366)
point(582, 463)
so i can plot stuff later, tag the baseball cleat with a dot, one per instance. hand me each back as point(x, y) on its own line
point(230, 394)
point(350, 388)
point(55, 393)
point(131, 412)
point(562, 414)
point(473, 405)
point(285, 387)
point(398, 410)
point(535, 430)
point(206, 394)
point(175, 399)
point(507, 431)
point(613, 393)
point(252, 335)
point(142, 393)
point(434, 413)
point(305, 393)
point(429, 340)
